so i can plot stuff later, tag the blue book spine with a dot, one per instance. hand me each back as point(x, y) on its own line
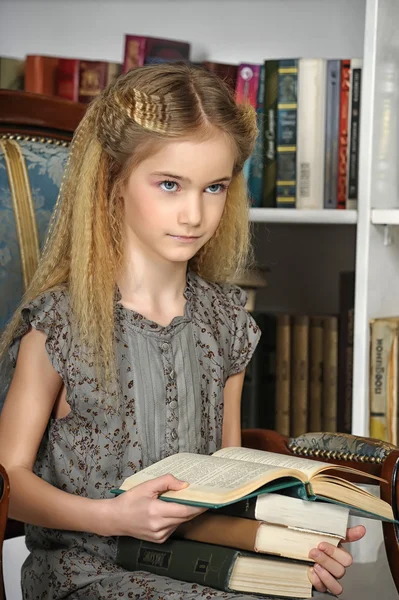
point(332, 131)
point(257, 158)
point(287, 113)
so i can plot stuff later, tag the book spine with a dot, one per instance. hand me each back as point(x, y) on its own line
point(332, 126)
point(270, 134)
point(256, 166)
point(247, 92)
point(311, 132)
point(12, 72)
point(41, 74)
point(114, 70)
point(245, 509)
point(353, 153)
point(384, 380)
point(315, 373)
point(300, 369)
point(68, 79)
point(287, 133)
point(134, 55)
point(345, 351)
point(283, 374)
point(330, 371)
point(194, 562)
point(343, 134)
point(92, 79)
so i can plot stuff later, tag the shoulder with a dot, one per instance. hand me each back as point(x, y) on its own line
point(220, 297)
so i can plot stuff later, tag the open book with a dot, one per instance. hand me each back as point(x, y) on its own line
point(232, 474)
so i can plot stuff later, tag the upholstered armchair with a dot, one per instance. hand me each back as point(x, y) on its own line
point(35, 132)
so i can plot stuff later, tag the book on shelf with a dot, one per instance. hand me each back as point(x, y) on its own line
point(141, 50)
point(333, 95)
point(343, 134)
point(12, 73)
point(288, 511)
point(40, 74)
point(299, 375)
point(81, 80)
point(345, 351)
point(254, 536)
point(312, 88)
point(218, 567)
point(287, 123)
point(270, 133)
point(352, 187)
point(233, 474)
point(330, 374)
point(316, 334)
point(227, 72)
point(283, 375)
point(384, 367)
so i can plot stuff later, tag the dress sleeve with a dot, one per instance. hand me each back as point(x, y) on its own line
point(246, 333)
point(48, 313)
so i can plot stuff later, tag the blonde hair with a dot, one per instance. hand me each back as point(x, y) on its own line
point(84, 248)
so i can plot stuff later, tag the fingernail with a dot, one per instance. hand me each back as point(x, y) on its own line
point(315, 553)
point(322, 547)
point(318, 567)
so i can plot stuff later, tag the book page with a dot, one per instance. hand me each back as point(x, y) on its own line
point(305, 465)
point(206, 471)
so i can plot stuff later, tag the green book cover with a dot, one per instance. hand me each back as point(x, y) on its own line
point(195, 562)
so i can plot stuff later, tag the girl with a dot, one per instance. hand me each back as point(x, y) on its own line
point(125, 349)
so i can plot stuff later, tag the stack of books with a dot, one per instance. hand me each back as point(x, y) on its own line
point(267, 512)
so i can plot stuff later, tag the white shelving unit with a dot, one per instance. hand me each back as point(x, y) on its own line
point(317, 217)
point(385, 217)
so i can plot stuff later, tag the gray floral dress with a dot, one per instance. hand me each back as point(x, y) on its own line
point(171, 400)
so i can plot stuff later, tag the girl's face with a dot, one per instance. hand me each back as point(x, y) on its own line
point(175, 198)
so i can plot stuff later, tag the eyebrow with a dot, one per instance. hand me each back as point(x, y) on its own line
point(186, 179)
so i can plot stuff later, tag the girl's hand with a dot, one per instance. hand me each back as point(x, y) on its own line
point(139, 513)
point(331, 563)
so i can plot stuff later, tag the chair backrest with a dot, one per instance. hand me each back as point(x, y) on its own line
point(35, 132)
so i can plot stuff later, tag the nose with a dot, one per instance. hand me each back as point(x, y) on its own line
point(191, 210)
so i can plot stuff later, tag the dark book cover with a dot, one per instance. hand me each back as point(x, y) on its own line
point(287, 113)
point(270, 133)
point(345, 351)
point(140, 49)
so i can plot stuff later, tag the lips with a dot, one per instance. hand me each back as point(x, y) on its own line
point(184, 238)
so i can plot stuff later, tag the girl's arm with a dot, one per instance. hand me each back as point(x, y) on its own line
point(231, 432)
point(27, 410)
point(24, 418)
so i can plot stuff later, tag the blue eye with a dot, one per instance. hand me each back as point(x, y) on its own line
point(216, 188)
point(168, 186)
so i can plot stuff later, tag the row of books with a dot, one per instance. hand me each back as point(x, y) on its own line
point(267, 511)
point(384, 379)
point(300, 377)
point(307, 152)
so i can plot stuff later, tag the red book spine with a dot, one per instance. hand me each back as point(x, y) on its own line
point(135, 52)
point(68, 79)
point(343, 134)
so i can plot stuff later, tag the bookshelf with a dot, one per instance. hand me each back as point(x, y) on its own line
point(323, 217)
point(304, 250)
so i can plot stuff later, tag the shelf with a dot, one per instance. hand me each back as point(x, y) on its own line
point(292, 215)
point(385, 217)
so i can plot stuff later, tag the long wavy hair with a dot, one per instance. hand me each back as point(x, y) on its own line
point(84, 249)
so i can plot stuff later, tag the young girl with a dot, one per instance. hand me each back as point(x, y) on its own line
point(125, 349)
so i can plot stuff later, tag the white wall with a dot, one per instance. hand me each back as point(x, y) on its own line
point(224, 30)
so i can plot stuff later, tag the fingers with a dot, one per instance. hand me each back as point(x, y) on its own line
point(327, 554)
point(353, 534)
point(324, 581)
point(162, 484)
point(316, 581)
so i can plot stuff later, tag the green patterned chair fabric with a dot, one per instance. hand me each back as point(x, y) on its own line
point(340, 446)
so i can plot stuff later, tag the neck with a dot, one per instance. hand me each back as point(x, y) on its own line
point(145, 280)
